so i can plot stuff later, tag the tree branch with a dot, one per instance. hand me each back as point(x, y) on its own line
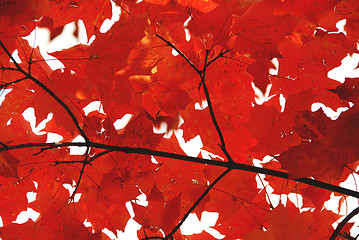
point(48, 90)
point(3, 144)
point(205, 89)
point(343, 222)
point(221, 54)
point(174, 230)
point(85, 162)
point(211, 111)
point(150, 152)
point(99, 155)
point(5, 85)
point(180, 53)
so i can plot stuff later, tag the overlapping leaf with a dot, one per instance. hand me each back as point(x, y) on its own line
point(157, 63)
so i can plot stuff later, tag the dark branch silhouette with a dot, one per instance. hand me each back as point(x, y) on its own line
point(228, 165)
point(180, 53)
point(343, 222)
point(232, 165)
point(174, 230)
point(48, 90)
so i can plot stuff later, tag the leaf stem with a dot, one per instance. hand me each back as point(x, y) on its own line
point(85, 162)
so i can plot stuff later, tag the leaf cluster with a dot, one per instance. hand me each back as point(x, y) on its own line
point(197, 67)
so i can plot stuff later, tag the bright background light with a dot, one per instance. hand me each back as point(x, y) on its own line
point(41, 38)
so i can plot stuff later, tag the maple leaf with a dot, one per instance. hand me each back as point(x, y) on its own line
point(245, 218)
point(167, 102)
point(78, 52)
point(352, 27)
point(312, 159)
point(69, 228)
point(237, 7)
point(166, 212)
point(204, 6)
point(342, 134)
point(92, 12)
point(348, 90)
point(21, 12)
point(47, 22)
point(212, 32)
point(316, 197)
point(14, 198)
point(236, 189)
point(188, 65)
point(312, 57)
point(266, 120)
point(288, 223)
point(179, 178)
point(196, 122)
point(260, 71)
point(258, 21)
point(8, 165)
point(100, 209)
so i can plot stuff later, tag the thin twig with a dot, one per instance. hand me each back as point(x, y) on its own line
point(85, 162)
point(5, 85)
point(221, 54)
point(205, 89)
point(154, 237)
point(180, 53)
point(122, 8)
point(3, 144)
point(241, 199)
point(73, 161)
point(265, 190)
point(62, 59)
point(99, 155)
point(32, 51)
point(51, 93)
point(174, 230)
point(218, 34)
point(9, 68)
point(211, 111)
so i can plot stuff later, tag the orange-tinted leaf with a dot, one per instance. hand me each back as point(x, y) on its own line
point(201, 5)
point(212, 32)
point(92, 12)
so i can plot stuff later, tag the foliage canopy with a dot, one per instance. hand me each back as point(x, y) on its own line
point(158, 62)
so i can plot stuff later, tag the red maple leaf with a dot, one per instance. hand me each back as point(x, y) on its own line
point(185, 65)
